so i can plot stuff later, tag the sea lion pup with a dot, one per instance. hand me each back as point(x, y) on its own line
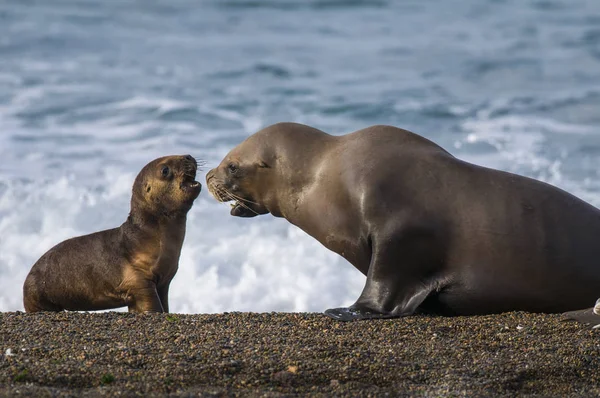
point(131, 265)
point(429, 231)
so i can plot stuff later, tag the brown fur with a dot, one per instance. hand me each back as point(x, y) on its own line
point(429, 231)
point(131, 265)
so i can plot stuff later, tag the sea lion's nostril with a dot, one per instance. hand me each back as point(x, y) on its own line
point(190, 158)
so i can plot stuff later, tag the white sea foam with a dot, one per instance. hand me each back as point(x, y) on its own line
point(518, 144)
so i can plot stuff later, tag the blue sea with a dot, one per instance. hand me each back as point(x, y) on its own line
point(91, 90)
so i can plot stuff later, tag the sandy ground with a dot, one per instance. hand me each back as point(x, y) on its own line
point(283, 354)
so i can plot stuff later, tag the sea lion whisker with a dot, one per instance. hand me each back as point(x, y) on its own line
point(239, 201)
point(240, 198)
point(222, 196)
point(189, 167)
point(242, 202)
point(226, 193)
point(200, 164)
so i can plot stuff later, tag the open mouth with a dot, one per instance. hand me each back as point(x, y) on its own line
point(240, 209)
point(189, 183)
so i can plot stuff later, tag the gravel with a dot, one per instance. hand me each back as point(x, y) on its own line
point(287, 354)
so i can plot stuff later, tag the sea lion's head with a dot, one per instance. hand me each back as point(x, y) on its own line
point(268, 171)
point(167, 186)
point(245, 176)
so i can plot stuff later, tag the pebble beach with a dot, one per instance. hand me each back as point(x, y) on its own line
point(295, 354)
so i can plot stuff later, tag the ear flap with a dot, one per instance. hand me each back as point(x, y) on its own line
point(263, 165)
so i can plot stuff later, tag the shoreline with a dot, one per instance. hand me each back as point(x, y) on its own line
point(287, 354)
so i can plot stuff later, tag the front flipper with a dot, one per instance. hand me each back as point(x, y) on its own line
point(354, 313)
point(377, 303)
point(145, 299)
point(402, 273)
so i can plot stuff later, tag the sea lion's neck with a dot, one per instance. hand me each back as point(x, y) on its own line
point(148, 237)
point(148, 225)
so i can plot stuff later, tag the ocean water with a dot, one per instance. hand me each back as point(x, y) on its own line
point(90, 91)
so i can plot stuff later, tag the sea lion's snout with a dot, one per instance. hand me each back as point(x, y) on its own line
point(190, 165)
point(188, 182)
point(213, 187)
point(218, 190)
point(229, 182)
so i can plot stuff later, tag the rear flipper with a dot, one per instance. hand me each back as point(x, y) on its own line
point(590, 316)
point(34, 298)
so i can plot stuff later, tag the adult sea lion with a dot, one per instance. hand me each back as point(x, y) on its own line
point(431, 232)
point(131, 265)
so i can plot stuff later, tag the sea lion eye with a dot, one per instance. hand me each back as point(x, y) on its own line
point(165, 171)
point(232, 168)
